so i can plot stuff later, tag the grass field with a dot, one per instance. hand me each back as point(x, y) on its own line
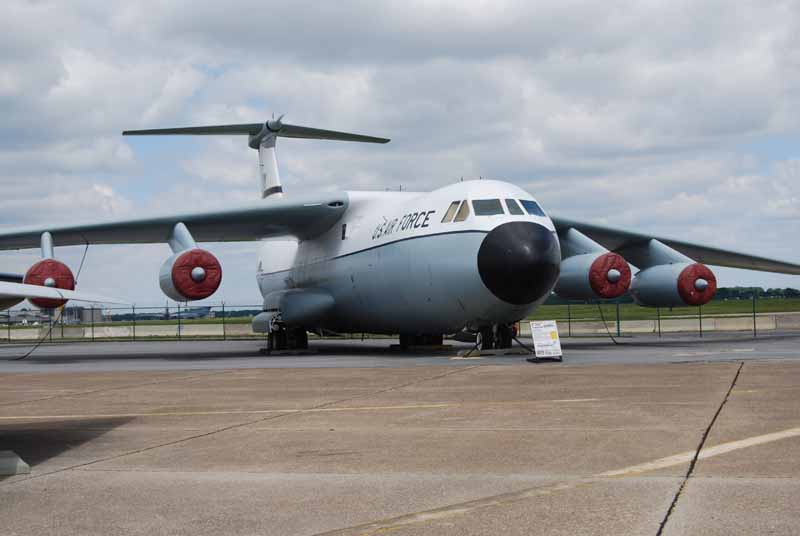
point(630, 311)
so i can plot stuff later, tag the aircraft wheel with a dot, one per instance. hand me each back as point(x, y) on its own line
point(486, 338)
point(504, 336)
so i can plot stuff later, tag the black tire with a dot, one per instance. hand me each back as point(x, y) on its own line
point(487, 339)
point(504, 335)
point(405, 341)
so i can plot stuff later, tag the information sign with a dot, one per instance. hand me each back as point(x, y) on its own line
point(545, 338)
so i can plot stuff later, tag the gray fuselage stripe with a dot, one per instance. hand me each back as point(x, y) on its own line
point(475, 231)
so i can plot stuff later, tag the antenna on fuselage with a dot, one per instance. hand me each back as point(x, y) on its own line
point(262, 137)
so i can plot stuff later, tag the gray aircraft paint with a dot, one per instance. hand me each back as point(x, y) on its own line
point(416, 285)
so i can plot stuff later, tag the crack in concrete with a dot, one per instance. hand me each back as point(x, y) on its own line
point(699, 448)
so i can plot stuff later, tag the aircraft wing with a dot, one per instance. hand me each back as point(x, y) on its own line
point(626, 242)
point(20, 290)
point(303, 217)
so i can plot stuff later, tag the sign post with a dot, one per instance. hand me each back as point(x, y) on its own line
point(546, 342)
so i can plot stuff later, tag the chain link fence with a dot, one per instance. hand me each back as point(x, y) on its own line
point(580, 318)
point(231, 322)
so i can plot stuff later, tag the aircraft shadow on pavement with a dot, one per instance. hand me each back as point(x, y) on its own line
point(37, 442)
point(199, 351)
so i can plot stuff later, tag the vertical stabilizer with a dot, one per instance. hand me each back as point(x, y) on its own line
point(268, 168)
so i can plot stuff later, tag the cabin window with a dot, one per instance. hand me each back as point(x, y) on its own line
point(487, 207)
point(532, 207)
point(513, 207)
point(344, 231)
point(463, 211)
point(451, 211)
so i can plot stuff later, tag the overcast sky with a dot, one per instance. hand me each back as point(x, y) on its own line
point(678, 118)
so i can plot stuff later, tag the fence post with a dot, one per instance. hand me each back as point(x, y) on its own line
point(658, 317)
point(224, 335)
point(569, 321)
point(619, 327)
point(755, 330)
point(91, 311)
point(133, 310)
point(179, 320)
point(700, 317)
point(50, 317)
point(8, 328)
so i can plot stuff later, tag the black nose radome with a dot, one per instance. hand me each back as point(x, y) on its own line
point(519, 261)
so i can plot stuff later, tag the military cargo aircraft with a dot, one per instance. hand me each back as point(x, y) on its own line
point(476, 255)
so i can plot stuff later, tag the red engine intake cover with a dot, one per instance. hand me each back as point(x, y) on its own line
point(49, 269)
point(182, 274)
point(686, 284)
point(598, 275)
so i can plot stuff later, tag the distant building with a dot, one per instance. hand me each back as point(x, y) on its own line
point(28, 316)
point(84, 315)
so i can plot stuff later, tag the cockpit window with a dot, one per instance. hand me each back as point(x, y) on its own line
point(463, 212)
point(487, 207)
point(513, 207)
point(451, 211)
point(532, 207)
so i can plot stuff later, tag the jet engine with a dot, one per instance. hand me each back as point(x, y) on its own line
point(674, 285)
point(188, 275)
point(593, 275)
point(49, 273)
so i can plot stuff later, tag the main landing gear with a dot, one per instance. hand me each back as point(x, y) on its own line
point(283, 337)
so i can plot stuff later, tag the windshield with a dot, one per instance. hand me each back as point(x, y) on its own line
point(487, 207)
point(532, 207)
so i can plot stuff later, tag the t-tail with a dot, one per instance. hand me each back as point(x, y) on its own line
point(262, 137)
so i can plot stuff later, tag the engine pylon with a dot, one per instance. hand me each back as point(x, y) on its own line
point(590, 271)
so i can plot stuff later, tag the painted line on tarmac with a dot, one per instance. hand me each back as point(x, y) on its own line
point(460, 509)
point(708, 452)
point(721, 351)
point(268, 411)
point(231, 412)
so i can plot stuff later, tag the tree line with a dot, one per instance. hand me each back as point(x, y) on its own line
point(723, 293)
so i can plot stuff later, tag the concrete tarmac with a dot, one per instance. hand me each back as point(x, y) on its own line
point(212, 438)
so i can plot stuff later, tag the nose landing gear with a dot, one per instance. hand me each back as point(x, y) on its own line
point(497, 336)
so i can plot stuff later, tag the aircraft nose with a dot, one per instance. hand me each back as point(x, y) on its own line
point(519, 261)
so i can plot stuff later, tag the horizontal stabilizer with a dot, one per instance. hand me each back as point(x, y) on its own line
point(275, 127)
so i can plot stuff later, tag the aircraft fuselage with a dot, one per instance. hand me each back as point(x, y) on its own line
point(393, 265)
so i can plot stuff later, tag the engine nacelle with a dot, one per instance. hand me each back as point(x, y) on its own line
point(194, 274)
point(674, 285)
point(593, 275)
point(49, 273)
